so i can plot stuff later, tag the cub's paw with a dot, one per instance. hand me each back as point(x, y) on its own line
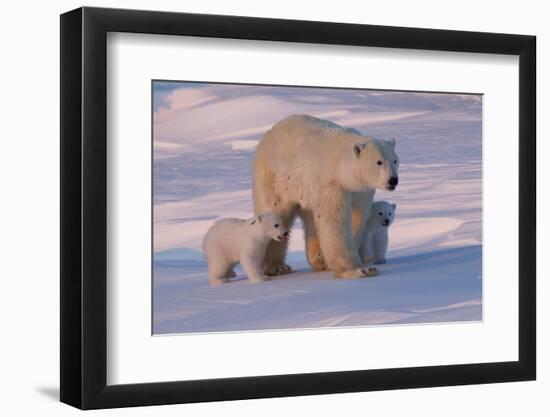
point(275, 270)
point(366, 271)
point(258, 279)
point(218, 281)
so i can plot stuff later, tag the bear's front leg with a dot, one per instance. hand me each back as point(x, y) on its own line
point(380, 247)
point(361, 207)
point(366, 251)
point(333, 223)
point(251, 265)
point(274, 261)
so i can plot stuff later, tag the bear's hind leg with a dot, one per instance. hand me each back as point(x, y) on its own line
point(275, 255)
point(274, 261)
point(266, 200)
point(218, 267)
point(313, 246)
point(230, 273)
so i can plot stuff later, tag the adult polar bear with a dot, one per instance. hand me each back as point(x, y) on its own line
point(326, 174)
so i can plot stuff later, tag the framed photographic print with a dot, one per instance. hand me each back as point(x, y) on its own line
point(257, 208)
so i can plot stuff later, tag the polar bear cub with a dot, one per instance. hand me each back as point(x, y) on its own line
point(375, 238)
point(230, 241)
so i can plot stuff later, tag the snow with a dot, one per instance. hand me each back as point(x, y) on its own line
point(205, 136)
point(244, 144)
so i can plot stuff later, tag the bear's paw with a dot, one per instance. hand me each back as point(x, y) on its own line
point(275, 270)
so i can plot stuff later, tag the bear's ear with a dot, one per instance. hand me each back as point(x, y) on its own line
point(394, 206)
point(358, 147)
point(392, 142)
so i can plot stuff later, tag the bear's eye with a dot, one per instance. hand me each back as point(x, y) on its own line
point(276, 225)
point(395, 162)
point(389, 214)
point(378, 162)
point(380, 213)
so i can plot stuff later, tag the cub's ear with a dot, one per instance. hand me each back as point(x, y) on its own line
point(358, 148)
point(394, 206)
point(392, 142)
point(255, 219)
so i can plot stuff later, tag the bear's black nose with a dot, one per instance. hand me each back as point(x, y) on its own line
point(386, 221)
point(285, 234)
point(393, 181)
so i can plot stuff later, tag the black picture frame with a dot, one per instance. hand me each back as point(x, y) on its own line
point(84, 207)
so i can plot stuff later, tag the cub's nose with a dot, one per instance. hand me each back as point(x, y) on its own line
point(393, 181)
point(386, 222)
point(285, 234)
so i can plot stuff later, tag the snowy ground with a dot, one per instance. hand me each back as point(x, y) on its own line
point(204, 139)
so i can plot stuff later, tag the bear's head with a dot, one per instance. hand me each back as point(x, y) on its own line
point(376, 164)
point(383, 213)
point(271, 225)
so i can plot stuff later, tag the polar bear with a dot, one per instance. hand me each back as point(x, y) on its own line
point(324, 173)
point(375, 238)
point(230, 241)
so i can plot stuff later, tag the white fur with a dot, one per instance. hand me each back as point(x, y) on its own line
point(230, 241)
point(326, 174)
point(375, 238)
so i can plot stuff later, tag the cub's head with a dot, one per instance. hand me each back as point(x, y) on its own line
point(271, 225)
point(377, 163)
point(383, 213)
